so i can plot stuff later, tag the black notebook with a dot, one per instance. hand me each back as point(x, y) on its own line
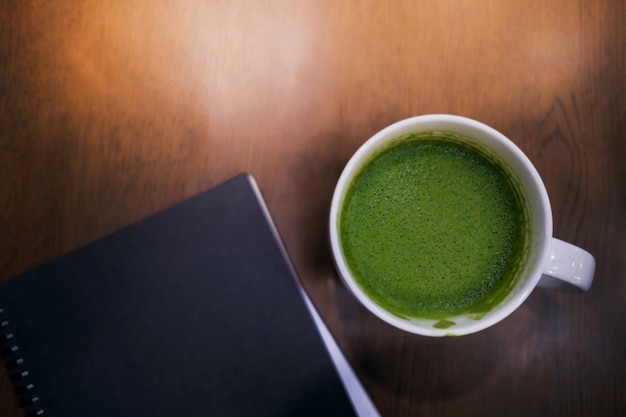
point(194, 311)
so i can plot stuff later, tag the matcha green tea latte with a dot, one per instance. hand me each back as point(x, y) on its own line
point(431, 228)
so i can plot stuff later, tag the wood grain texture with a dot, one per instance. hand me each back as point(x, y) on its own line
point(110, 111)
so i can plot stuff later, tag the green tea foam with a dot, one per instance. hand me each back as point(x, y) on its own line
point(431, 228)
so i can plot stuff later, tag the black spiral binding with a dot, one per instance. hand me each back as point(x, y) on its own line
point(24, 388)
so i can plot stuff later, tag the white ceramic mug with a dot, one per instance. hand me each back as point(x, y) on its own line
point(550, 262)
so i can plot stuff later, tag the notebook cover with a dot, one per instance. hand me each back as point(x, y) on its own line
point(194, 311)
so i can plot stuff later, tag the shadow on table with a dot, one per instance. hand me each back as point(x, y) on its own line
point(433, 369)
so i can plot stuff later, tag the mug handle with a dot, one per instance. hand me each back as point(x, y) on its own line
point(568, 267)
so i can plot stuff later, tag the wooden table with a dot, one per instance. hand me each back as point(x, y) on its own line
point(111, 111)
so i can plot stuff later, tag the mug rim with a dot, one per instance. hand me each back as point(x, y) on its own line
point(541, 229)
